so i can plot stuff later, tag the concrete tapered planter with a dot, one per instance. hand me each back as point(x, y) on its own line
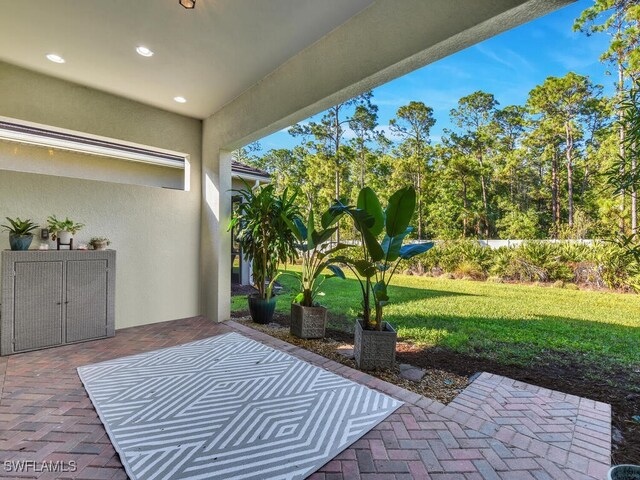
point(374, 349)
point(308, 322)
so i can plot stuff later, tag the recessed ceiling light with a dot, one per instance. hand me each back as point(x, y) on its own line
point(144, 51)
point(188, 4)
point(180, 99)
point(55, 58)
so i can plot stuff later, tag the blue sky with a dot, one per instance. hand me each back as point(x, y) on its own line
point(508, 65)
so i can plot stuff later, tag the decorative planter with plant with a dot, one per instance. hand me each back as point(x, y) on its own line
point(308, 317)
point(265, 240)
point(99, 243)
point(20, 233)
point(64, 230)
point(375, 339)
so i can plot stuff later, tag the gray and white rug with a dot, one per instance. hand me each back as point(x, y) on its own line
point(228, 407)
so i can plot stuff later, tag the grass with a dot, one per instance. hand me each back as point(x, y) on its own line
point(516, 324)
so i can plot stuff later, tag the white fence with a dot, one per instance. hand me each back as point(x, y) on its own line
point(493, 244)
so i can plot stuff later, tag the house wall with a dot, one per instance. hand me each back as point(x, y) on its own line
point(154, 230)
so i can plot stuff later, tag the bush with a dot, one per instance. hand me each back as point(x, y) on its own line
point(471, 270)
point(598, 265)
point(531, 262)
point(450, 256)
point(614, 267)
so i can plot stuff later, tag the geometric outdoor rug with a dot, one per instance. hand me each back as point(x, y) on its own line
point(228, 407)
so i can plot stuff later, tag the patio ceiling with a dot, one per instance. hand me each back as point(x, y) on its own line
point(208, 55)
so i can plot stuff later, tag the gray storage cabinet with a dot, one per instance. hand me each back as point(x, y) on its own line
point(52, 298)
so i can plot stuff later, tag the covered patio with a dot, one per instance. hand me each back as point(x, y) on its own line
point(220, 76)
point(496, 429)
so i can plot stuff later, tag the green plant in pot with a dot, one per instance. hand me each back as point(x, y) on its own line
point(375, 339)
point(265, 240)
point(99, 243)
point(63, 229)
point(20, 233)
point(308, 317)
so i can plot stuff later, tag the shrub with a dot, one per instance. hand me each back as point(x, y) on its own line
point(615, 268)
point(450, 256)
point(599, 265)
point(471, 270)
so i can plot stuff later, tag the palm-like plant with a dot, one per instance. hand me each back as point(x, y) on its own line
point(19, 227)
point(381, 259)
point(263, 233)
point(316, 257)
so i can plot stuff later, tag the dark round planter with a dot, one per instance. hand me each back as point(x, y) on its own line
point(20, 242)
point(624, 472)
point(261, 310)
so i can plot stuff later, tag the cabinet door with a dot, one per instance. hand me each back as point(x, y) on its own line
point(37, 305)
point(86, 299)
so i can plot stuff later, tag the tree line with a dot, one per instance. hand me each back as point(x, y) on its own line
point(553, 167)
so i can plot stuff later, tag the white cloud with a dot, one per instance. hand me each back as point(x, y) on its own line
point(507, 57)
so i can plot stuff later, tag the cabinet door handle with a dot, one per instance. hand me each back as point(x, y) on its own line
point(58, 303)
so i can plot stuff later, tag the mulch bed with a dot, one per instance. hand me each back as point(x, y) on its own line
point(448, 374)
point(437, 384)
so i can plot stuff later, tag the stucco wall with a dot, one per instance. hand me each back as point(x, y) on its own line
point(154, 230)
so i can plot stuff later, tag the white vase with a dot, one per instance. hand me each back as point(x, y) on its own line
point(65, 237)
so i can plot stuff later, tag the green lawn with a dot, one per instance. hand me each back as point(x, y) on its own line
point(510, 323)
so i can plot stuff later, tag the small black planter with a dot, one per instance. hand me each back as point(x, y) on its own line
point(261, 310)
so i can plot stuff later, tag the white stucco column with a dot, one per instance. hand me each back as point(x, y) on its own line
point(215, 241)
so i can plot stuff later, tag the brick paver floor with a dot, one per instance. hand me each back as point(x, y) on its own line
point(496, 429)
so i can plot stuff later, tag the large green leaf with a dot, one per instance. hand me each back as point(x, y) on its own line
point(365, 268)
point(292, 224)
point(336, 270)
point(332, 215)
point(380, 291)
point(391, 246)
point(302, 229)
point(372, 245)
point(362, 219)
point(401, 206)
point(410, 251)
point(320, 237)
point(368, 201)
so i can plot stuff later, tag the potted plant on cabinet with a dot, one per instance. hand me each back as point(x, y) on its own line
point(375, 339)
point(99, 243)
point(308, 317)
point(63, 229)
point(265, 240)
point(20, 233)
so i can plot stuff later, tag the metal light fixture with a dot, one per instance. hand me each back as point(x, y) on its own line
point(188, 4)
